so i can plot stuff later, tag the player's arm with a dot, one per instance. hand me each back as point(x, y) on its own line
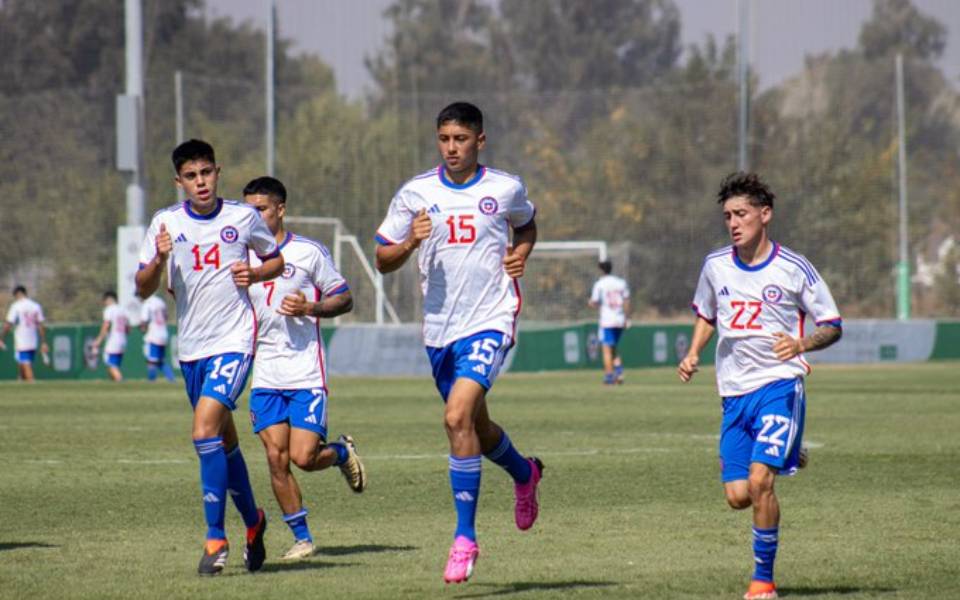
point(391, 257)
point(787, 347)
point(148, 278)
point(244, 275)
point(42, 330)
point(104, 330)
point(702, 332)
point(3, 336)
point(297, 305)
point(524, 238)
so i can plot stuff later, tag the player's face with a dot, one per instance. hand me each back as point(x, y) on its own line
point(459, 147)
point(270, 210)
point(198, 179)
point(745, 222)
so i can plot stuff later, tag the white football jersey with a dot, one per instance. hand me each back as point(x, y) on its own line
point(465, 287)
point(610, 293)
point(290, 352)
point(117, 338)
point(748, 304)
point(214, 316)
point(153, 312)
point(26, 315)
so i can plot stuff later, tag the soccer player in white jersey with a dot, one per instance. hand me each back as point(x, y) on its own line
point(25, 317)
point(288, 399)
point(756, 294)
point(202, 244)
point(114, 329)
point(460, 215)
point(611, 295)
point(153, 324)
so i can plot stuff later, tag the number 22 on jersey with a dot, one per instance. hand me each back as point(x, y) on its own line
point(746, 314)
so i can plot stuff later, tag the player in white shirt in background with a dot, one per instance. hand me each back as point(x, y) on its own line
point(114, 328)
point(202, 245)
point(756, 294)
point(25, 317)
point(288, 398)
point(460, 215)
point(612, 296)
point(153, 324)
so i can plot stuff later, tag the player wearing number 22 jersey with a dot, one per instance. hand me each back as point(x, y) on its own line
point(460, 216)
point(202, 244)
point(755, 294)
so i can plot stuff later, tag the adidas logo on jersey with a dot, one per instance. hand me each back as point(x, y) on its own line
point(221, 389)
point(311, 419)
point(210, 497)
point(773, 451)
point(724, 291)
point(180, 238)
point(464, 496)
point(480, 369)
point(434, 209)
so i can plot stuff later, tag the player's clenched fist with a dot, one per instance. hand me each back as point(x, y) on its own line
point(513, 263)
point(164, 242)
point(242, 274)
point(421, 228)
point(687, 367)
point(294, 305)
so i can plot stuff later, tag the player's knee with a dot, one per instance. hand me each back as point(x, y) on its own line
point(738, 498)
point(278, 461)
point(302, 458)
point(457, 421)
point(760, 486)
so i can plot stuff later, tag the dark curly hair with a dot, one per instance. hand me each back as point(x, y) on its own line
point(748, 185)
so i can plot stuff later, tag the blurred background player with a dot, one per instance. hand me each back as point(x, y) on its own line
point(756, 294)
point(114, 328)
point(153, 323)
point(25, 316)
point(202, 244)
point(288, 400)
point(612, 296)
point(460, 215)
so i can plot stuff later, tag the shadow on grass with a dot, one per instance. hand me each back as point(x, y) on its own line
point(361, 549)
point(840, 590)
point(528, 586)
point(4, 546)
point(305, 565)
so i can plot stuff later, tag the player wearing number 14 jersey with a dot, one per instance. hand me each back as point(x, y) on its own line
point(202, 245)
point(460, 216)
point(756, 295)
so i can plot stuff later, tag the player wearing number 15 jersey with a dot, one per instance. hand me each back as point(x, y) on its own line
point(460, 216)
point(756, 294)
point(202, 244)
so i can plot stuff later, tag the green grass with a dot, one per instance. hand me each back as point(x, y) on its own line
point(99, 494)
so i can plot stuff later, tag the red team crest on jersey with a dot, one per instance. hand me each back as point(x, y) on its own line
point(288, 271)
point(488, 205)
point(229, 234)
point(772, 294)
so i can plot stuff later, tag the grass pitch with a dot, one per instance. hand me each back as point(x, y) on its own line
point(99, 494)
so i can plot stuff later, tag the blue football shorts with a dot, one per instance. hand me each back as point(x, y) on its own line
point(221, 377)
point(610, 336)
point(303, 409)
point(113, 360)
point(26, 357)
point(477, 357)
point(155, 353)
point(764, 426)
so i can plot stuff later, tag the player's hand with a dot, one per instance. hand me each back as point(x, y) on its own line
point(3, 345)
point(688, 366)
point(242, 274)
point(164, 242)
point(513, 263)
point(786, 347)
point(44, 348)
point(295, 305)
point(421, 229)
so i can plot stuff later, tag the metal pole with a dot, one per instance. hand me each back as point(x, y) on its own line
point(271, 28)
point(743, 70)
point(903, 267)
point(133, 54)
point(178, 102)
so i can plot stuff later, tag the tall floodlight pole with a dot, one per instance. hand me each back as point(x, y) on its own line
point(178, 110)
point(743, 74)
point(903, 267)
point(271, 29)
point(132, 120)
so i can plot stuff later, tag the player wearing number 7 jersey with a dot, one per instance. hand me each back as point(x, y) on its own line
point(202, 245)
point(460, 216)
point(756, 294)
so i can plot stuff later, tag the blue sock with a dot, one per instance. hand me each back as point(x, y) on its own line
point(151, 371)
point(764, 553)
point(213, 483)
point(618, 370)
point(512, 461)
point(341, 451)
point(465, 483)
point(168, 372)
point(298, 525)
point(238, 483)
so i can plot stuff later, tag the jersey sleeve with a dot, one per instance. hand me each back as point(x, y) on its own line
point(396, 225)
point(704, 300)
point(817, 301)
point(326, 277)
point(40, 317)
point(148, 249)
point(263, 242)
point(595, 295)
point(145, 311)
point(11, 315)
point(520, 211)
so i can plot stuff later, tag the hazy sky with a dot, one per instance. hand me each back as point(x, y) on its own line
point(783, 32)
